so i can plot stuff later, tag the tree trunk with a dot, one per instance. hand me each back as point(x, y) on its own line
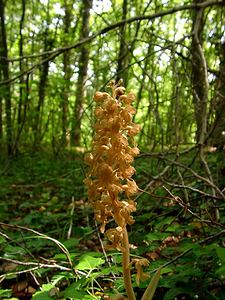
point(199, 75)
point(217, 135)
point(38, 111)
point(200, 93)
point(21, 63)
point(67, 73)
point(5, 89)
point(123, 52)
point(44, 69)
point(83, 67)
point(1, 113)
point(22, 88)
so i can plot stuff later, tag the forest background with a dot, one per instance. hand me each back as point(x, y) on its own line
point(54, 55)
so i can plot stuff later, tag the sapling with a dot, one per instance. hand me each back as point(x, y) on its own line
point(109, 180)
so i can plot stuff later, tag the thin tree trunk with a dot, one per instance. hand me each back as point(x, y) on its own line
point(21, 63)
point(6, 93)
point(48, 44)
point(199, 75)
point(217, 134)
point(41, 97)
point(200, 92)
point(22, 81)
point(123, 52)
point(67, 74)
point(1, 113)
point(83, 67)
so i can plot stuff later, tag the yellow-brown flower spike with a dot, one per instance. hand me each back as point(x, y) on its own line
point(109, 182)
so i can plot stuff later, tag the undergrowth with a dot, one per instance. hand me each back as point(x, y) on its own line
point(51, 248)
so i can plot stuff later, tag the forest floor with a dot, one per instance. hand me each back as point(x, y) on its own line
point(50, 246)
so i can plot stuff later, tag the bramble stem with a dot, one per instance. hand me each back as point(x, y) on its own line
point(126, 267)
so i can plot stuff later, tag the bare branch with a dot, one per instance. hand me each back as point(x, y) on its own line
point(60, 245)
point(36, 264)
point(187, 208)
point(176, 163)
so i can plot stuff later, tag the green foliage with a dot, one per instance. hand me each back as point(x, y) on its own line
point(221, 253)
point(87, 262)
point(74, 292)
point(166, 235)
point(6, 293)
point(45, 293)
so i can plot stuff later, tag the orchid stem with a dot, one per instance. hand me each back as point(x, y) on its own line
point(126, 267)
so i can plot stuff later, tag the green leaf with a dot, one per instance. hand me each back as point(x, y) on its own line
point(73, 292)
point(47, 287)
point(150, 291)
point(221, 253)
point(204, 250)
point(113, 269)
point(61, 256)
point(172, 293)
point(45, 294)
point(156, 236)
point(41, 295)
point(5, 293)
point(2, 240)
point(88, 262)
point(166, 270)
point(71, 243)
point(12, 251)
point(221, 270)
point(57, 278)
